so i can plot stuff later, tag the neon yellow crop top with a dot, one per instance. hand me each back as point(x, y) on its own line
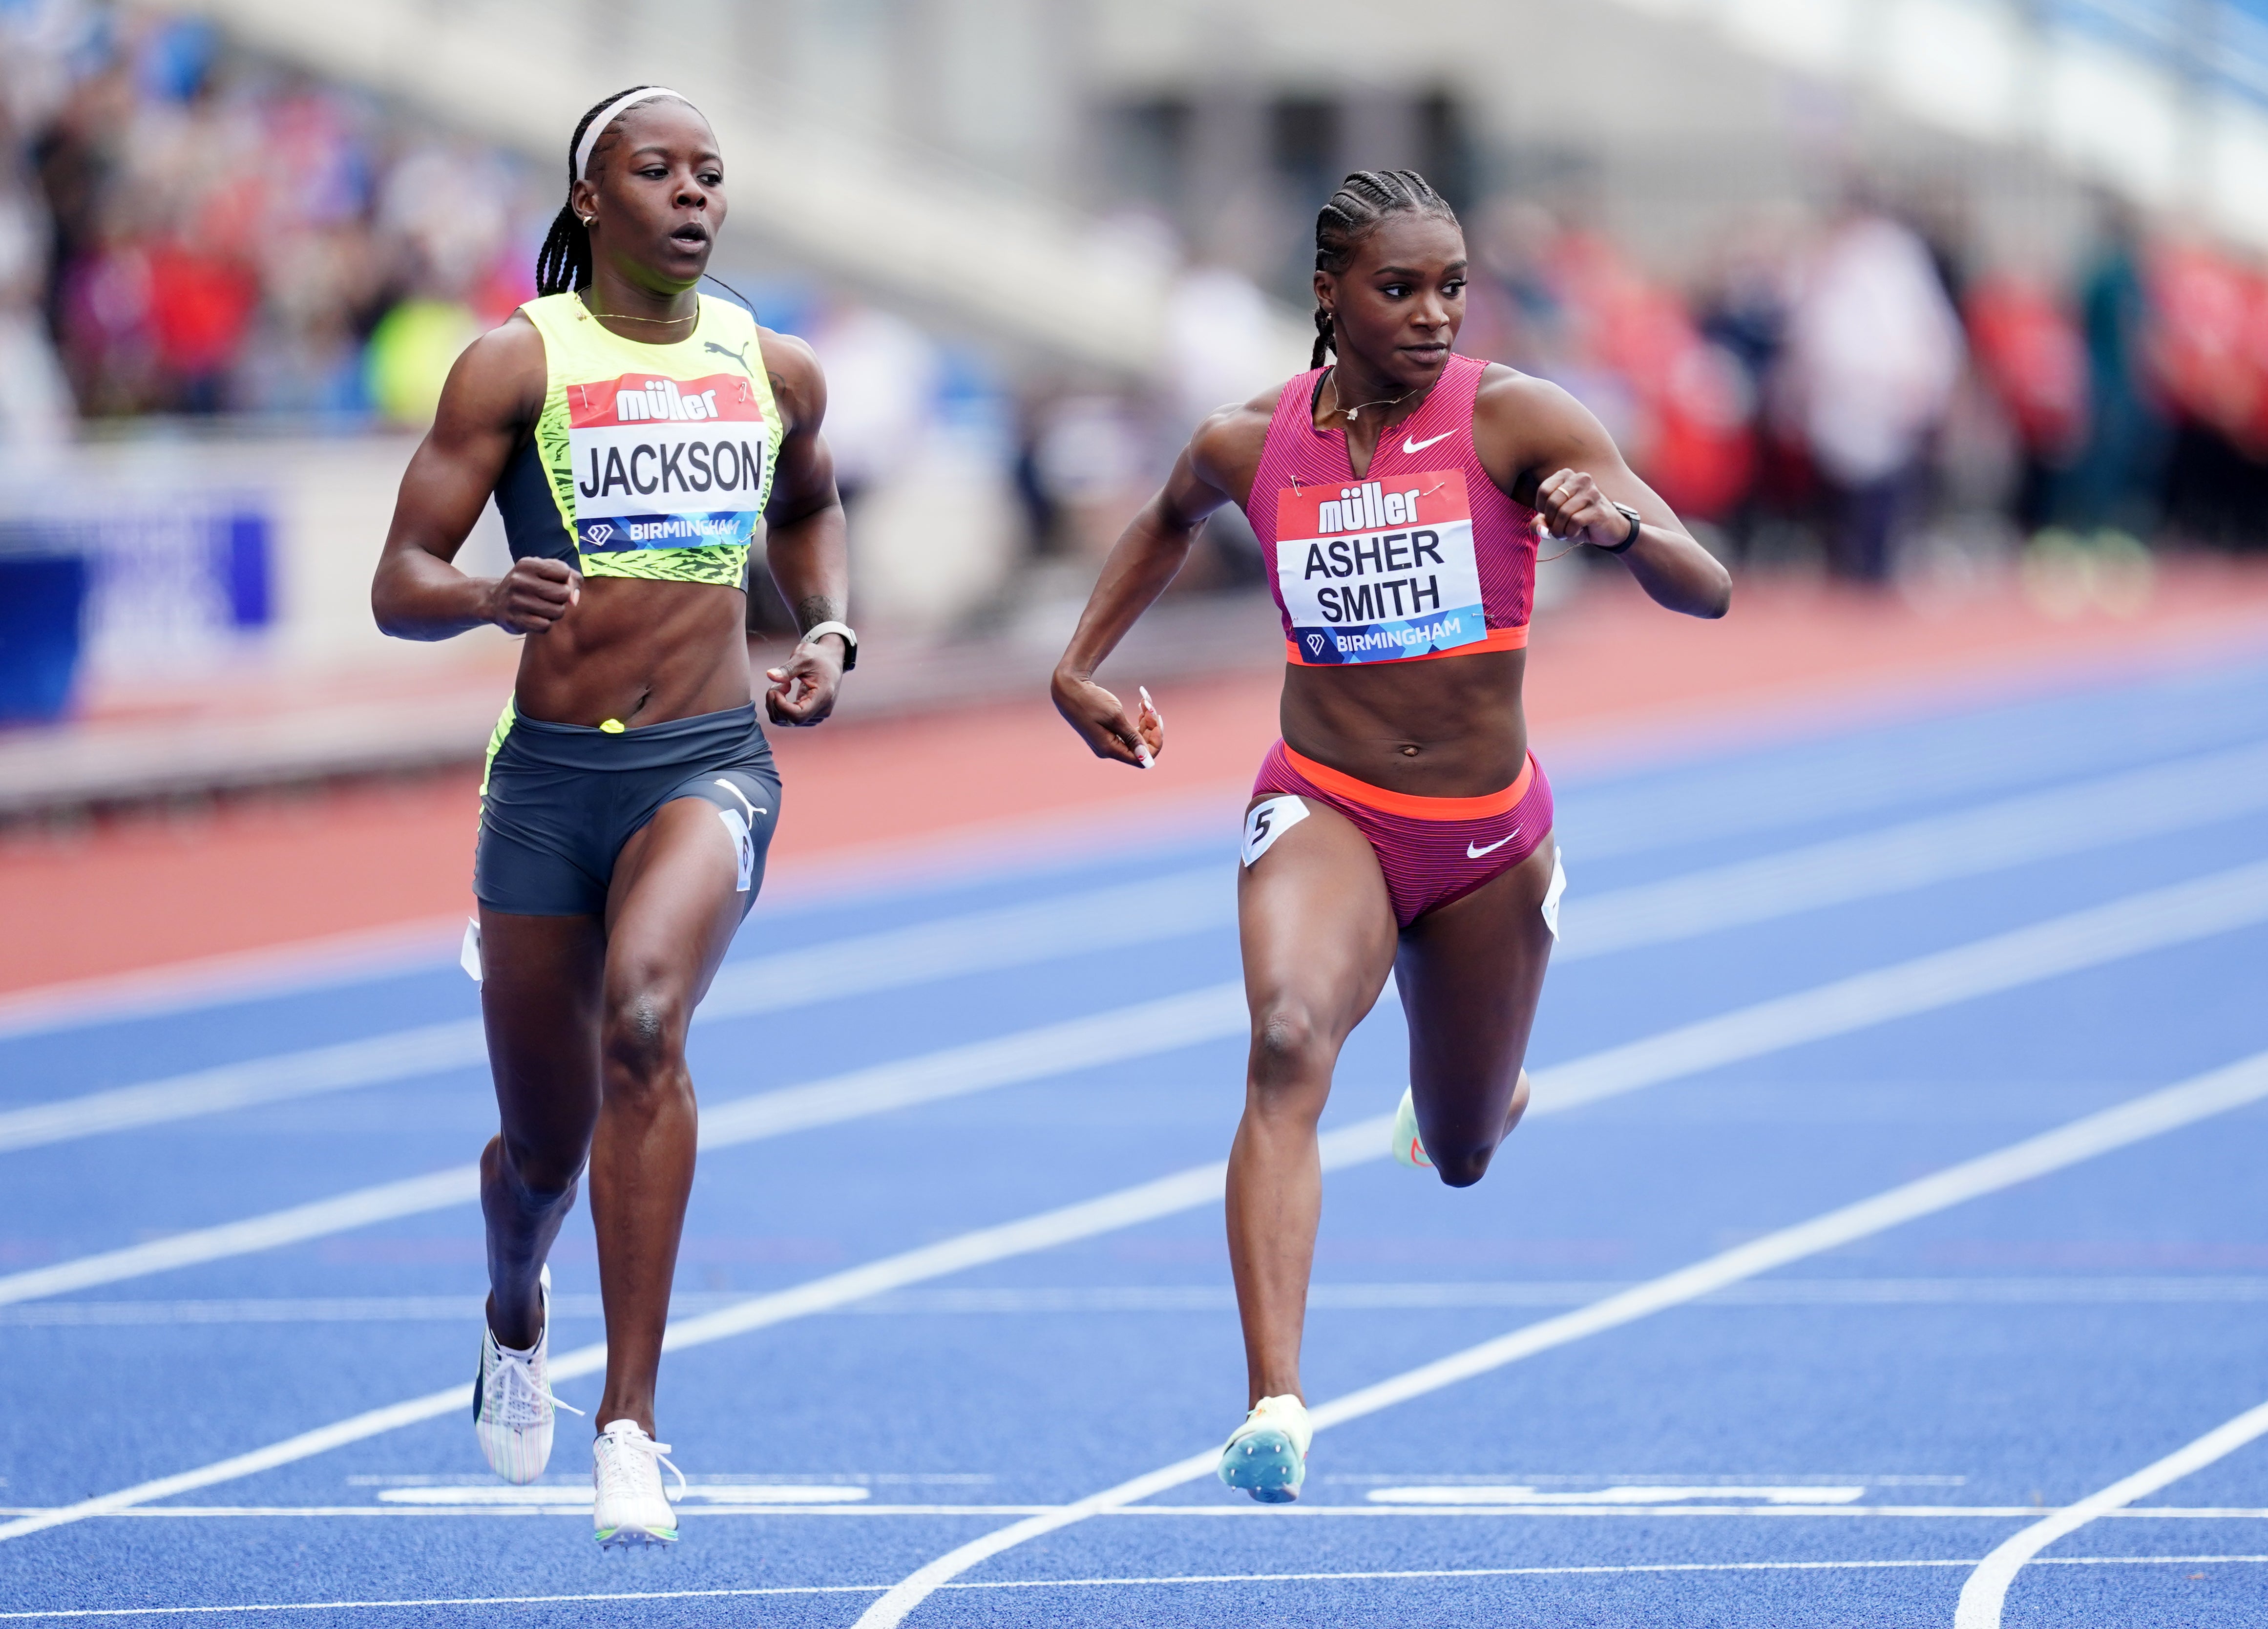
point(648, 460)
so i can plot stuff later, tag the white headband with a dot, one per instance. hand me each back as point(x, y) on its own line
point(606, 116)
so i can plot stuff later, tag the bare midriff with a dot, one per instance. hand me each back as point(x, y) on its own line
point(640, 652)
point(1448, 728)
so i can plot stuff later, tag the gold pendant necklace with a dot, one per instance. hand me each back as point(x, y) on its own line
point(1355, 412)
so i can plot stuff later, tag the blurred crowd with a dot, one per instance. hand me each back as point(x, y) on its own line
point(185, 231)
point(1843, 388)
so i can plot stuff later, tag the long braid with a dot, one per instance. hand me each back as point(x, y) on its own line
point(1363, 199)
point(563, 262)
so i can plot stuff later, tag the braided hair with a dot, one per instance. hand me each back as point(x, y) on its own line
point(1357, 210)
point(563, 262)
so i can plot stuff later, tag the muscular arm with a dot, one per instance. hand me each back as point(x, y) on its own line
point(1547, 450)
point(493, 392)
point(1144, 560)
point(805, 542)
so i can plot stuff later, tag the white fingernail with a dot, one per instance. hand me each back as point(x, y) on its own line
point(1143, 752)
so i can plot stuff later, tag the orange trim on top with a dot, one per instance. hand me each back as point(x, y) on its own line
point(1483, 807)
point(1495, 639)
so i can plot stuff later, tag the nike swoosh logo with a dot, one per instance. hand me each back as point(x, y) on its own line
point(1407, 446)
point(1473, 853)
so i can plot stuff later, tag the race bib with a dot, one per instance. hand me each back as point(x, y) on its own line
point(667, 463)
point(1372, 574)
point(1552, 893)
point(1264, 822)
point(744, 848)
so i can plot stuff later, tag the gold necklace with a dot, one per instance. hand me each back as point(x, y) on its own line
point(623, 316)
point(1354, 412)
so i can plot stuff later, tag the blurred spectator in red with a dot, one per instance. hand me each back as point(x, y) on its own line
point(1875, 353)
point(2209, 348)
point(2031, 355)
point(2208, 351)
point(201, 307)
point(1571, 307)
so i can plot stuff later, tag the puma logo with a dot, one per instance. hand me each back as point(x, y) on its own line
point(740, 356)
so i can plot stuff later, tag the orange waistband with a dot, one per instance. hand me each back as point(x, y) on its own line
point(1402, 803)
point(1496, 639)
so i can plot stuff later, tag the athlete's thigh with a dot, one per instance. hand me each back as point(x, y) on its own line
point(539, 981)
point(1317, 925)
point(1470, 974)
point(673, 908)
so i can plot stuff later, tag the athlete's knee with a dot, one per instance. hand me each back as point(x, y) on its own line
point(641, 1038)
point(1291, 1051)
point(540, 1176)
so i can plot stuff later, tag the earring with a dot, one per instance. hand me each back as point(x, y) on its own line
point(589, 221)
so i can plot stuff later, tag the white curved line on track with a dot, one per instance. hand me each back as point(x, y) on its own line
point(2151, 1115)
point(2150, 920)
point(1986, 1592)
point(2040, 826)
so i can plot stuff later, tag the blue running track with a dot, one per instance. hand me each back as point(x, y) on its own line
point(1833, 1428)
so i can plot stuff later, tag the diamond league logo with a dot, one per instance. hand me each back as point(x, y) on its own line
point(1315, 644)
point(600, 533)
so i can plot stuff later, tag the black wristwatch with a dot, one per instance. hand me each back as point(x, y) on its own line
point(1636, 525)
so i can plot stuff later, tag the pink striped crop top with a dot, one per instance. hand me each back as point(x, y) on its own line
point(1423, 556)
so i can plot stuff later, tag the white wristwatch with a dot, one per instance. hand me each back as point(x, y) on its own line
point(850, 640)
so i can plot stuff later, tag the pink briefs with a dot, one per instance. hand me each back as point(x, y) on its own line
point(1432, 850)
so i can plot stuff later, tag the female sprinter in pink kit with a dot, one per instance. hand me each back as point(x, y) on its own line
point(1400, 826)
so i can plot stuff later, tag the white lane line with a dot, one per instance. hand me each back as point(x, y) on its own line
point(430, 1049)
point(1774, 788)
point(1025, 849)
point(2146, 921)
point(578, 1504)
point(432, 1601)
point(1143, 1030)
point(1083, 1299)
point(1167, 906)
point(2145, 1116)
point(504, 1494)
point(358, 956)
point(1548, 1573)
point(1986, 1591)
point(1641, 1568)
point(2152, 920)
point(1643, 1493)
point(2018, 831)
point(2117, 808)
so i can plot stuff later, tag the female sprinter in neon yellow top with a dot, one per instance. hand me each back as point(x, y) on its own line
point(632, 432)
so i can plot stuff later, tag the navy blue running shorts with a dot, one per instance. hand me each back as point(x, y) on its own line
point(560, 800)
